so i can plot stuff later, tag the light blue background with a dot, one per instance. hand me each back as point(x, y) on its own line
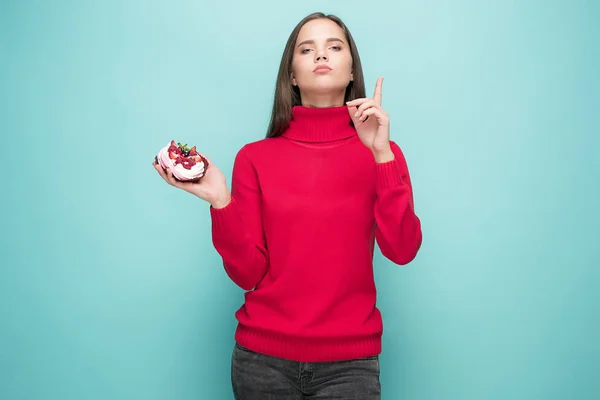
point(109, 285)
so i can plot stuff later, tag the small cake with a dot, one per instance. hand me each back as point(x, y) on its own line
point(186, 164)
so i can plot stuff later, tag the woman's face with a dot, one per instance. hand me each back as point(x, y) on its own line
point(321, 42)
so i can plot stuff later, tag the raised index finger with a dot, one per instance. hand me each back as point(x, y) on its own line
point(377, 94)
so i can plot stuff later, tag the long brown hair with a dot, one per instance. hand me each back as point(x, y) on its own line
point(288, 95)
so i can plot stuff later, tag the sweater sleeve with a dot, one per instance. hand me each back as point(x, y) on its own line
point(237, 229)
point(398, 229)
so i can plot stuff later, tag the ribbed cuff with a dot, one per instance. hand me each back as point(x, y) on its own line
point(388, 174)
point(225, 216)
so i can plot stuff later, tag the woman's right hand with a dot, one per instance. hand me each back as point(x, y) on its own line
point(211, 188)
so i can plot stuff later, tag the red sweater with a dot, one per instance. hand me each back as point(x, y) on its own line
point(299, 234)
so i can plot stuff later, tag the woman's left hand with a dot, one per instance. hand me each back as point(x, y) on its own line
point(373, 132)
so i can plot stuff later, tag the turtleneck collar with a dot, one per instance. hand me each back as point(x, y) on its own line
point(327, 124)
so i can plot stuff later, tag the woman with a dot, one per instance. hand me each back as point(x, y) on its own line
point(297, 230)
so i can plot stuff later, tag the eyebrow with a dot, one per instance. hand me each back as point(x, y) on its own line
point(312, 41)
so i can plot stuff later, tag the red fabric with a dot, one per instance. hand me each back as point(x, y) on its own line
point(299, 234)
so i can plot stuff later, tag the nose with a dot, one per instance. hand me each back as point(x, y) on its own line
point(321, 56)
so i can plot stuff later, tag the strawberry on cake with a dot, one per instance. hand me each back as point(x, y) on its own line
point(186, 164)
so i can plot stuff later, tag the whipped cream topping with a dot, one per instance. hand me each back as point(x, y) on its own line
point(179, 171)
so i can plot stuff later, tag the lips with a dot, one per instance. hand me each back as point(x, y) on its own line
point(322, 67)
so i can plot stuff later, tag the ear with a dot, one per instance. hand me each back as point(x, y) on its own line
point(293, 80)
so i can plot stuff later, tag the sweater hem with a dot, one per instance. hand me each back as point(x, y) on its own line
point(305, 349)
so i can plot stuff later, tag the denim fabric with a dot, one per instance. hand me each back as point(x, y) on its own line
point(257, 376)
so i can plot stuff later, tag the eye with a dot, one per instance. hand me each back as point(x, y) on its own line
point(338, 48)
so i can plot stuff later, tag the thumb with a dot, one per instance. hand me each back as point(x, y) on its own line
point(352, 111)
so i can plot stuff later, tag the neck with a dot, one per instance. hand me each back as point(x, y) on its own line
point(328, 99)
point(316, 125)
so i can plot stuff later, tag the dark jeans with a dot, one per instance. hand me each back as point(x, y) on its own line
point(256, 376)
